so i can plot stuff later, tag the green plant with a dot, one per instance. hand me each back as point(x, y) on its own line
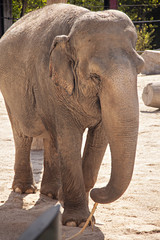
point(145, 38)
point(19, 7)
point(93, 5)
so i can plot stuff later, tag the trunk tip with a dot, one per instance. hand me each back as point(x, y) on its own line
point(105, 195)
point(98, 195)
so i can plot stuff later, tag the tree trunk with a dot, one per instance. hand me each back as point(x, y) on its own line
point(110, 4)
point(24, 6)
point(106, 4)
point(56, 1)
point(151, 95)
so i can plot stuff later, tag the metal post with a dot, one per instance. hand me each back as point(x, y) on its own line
point(7, 12)
point(1, 19)
point(106, 4)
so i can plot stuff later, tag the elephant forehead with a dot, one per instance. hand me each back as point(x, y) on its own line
point(103, 44)
point(109, 22)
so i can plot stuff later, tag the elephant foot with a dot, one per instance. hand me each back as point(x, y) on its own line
point(24, 188)
point(60, 197)
point(74, 218)
point(73, 224)
point(50, 190)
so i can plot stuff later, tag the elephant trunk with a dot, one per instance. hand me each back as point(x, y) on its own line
point(120, 115)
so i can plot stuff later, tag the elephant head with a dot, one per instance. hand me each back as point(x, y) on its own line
point(98, 58)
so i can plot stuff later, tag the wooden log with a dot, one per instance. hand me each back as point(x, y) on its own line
point(151, 95)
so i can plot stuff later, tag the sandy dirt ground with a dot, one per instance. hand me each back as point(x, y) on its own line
point(136, 215)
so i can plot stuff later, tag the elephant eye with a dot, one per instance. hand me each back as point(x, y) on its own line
point(95, 77)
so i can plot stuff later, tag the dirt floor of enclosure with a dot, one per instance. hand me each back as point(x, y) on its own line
point(136, 215)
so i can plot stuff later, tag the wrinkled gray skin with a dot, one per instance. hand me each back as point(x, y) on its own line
point(64, 69)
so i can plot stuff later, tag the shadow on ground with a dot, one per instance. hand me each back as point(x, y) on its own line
point(20, 210)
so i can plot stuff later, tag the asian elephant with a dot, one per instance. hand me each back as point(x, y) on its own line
point(63, 69)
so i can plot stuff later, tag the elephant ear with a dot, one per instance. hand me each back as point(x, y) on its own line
point(60, 65)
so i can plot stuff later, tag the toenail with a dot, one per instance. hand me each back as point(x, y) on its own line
point(18, 190)
point(71, 224)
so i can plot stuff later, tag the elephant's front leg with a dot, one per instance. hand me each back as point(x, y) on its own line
point(75, 205)
point(51, 177)
point(95, 147)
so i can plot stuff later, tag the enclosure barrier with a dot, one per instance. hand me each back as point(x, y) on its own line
point(45, 227)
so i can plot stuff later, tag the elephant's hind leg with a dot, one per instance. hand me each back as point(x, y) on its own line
point(51, 176)
point(23, 178)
